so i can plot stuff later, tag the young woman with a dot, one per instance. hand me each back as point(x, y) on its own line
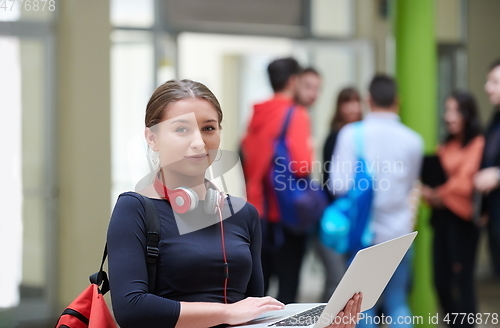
point(197, 247)
point(347, 110)
point(455, 236)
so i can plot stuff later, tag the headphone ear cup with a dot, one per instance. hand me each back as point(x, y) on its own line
point(183, 200)
point(212, 200)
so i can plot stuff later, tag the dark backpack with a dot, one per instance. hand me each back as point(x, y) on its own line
point(301, 201)
point(89, 309)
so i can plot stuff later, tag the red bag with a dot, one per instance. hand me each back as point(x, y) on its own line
point(89, 309)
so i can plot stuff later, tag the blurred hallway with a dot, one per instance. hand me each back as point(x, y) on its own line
point(78, 106)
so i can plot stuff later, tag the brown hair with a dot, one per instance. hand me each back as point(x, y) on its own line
point(310, 70)
point(494, 64)
point(175, 90)
point(346, 95)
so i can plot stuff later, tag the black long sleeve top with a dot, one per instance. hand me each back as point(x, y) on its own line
point(328, 149)
point(190, 266)
point(491, 156)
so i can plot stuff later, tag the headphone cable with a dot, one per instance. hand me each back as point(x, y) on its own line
point(226, 266)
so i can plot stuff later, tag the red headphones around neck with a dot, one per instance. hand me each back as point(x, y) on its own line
point(185, 199)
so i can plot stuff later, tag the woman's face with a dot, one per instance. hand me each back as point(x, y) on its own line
point(453, 118)
point(188, 138)
point(492, 86)
point(351, 111)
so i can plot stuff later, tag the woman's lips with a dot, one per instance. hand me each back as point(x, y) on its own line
point(196, 158)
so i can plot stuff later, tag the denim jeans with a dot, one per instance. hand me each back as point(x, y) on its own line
point(393, 301)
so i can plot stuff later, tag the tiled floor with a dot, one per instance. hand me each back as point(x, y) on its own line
point(489, 299)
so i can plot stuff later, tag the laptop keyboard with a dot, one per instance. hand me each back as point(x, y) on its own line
point(301, 319)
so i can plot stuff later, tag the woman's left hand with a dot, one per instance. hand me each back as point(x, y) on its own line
point(487, 179)
point(431, 196)
point(436, 200)
point(348, 317)
point(426, 193)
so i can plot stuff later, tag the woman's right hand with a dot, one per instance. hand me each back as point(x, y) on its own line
point(250, 308)
point(427, 194)
point(349, 316)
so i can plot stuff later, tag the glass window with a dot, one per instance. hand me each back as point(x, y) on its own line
point(10, 173)
point(132, 13)
point(132, 78)
point(27, 10)
point(27, 198)
point(332, 18)
point(141, 58)
point(34, 134)
point(166, 65)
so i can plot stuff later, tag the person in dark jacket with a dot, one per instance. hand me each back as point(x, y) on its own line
point(347, 110)
point(487, 180)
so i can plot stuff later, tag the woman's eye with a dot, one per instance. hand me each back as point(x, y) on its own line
point(209, 128)
point(181, 129)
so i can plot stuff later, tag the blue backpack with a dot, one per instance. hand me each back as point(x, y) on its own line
point(301, 201)
point(345, 224)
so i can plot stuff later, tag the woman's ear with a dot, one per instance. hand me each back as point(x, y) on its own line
point(150, 139)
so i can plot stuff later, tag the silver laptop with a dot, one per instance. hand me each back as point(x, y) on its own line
point(369, 273)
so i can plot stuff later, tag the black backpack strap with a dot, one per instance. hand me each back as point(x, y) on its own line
point(152, 251)
point(152, 223)
point(101, 277)
point(152, 240)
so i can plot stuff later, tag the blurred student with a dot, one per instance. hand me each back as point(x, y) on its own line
point(455, 235)
point(282, 250)
point(347, 110)
point(308, 87)
point(488, 179)
point(394, 154)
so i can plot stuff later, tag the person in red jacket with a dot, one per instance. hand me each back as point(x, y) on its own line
point(282, 250)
